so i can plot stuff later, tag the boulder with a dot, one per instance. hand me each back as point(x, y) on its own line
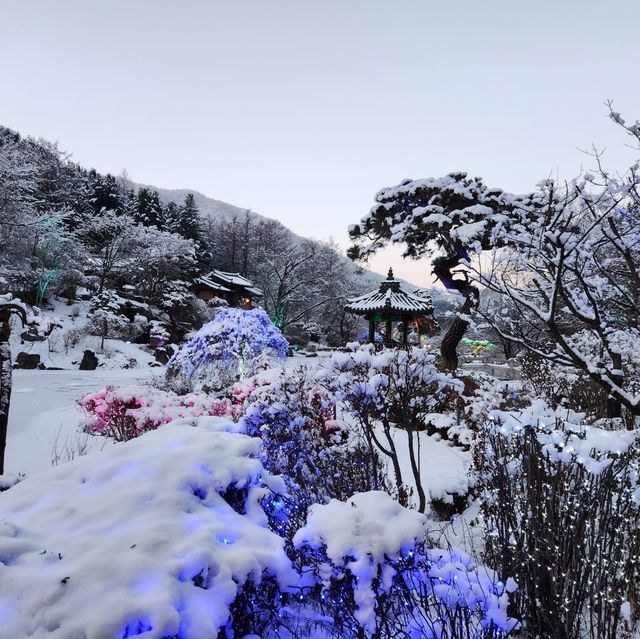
point(28, 361)
point(89, 361)
point(161, 355)
point(32, 335)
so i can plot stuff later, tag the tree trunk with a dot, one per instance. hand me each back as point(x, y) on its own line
point(422, 498)
point(443, 270)
point(449, 344)
point(5, 381)
point(614, 405)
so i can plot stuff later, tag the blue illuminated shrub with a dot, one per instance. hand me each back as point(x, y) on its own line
point(232, 346)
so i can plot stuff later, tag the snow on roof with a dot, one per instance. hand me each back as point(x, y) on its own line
point(390, 296)
point(233, 279)
point(211, 284)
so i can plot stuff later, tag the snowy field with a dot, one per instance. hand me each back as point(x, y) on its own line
point(44, 426)
point(44, 415)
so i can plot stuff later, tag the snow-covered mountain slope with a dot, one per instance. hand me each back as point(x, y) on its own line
point(218, 210)
point(208, 206)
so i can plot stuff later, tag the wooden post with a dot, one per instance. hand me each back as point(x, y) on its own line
point(372, 331)
point(405, 330)
point(387, 330)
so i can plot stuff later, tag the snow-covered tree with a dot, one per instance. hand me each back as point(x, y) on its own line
point(148, 209)
point(106, 193)
point(569, 283)
point(105, 316)
point(234, 345)
point(385, 393)
point(454, 217)
point(110, 239)
point(159, 259)
point(565, 258)
point(54, 249)
point(188, 223)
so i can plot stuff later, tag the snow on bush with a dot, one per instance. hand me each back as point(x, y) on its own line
point(372, 559)
point(154, 537)
point(158, 335)
point(386, 394)
point(294, 416)
point(559, 500)
point(232, 346)
point(125, 412)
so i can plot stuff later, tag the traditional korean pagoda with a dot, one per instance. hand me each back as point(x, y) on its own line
point(391, 304)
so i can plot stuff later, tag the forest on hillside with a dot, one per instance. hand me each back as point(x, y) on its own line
point(68, 231)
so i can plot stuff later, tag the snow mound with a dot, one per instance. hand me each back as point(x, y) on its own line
point(144, 540)
point(377, 541)
point(366, 528)
point(360, 534)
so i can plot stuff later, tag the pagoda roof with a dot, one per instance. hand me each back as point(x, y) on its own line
point(391, 297)
point(225, 282)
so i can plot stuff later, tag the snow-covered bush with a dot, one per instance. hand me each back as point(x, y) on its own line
point(106, 317)
point(560, 504)
point(155, 537)
point(302, 441)
point(125, 412)
point(568, 385)
point(158, 335)
point(233, 346)
point(388, 390)
point(378, 578)
point(363, 338)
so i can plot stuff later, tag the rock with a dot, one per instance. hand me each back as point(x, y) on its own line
point(32, 335)
point(28, 361)
point(89, 361)
point(161, 355)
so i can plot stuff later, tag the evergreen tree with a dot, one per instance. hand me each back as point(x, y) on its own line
point(149, 211)
point(105, 193)
point(172, 218)
point(188, 222)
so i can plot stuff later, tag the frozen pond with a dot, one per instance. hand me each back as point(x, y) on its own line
point(44, 416)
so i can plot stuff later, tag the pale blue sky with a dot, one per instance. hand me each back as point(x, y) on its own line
point(303, 109)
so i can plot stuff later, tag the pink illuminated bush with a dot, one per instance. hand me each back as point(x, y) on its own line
point(125, 412)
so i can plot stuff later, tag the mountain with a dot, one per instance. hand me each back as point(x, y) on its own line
point(217, 210)
point(208, 206)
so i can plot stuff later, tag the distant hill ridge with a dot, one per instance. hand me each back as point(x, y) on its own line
point(219, 210)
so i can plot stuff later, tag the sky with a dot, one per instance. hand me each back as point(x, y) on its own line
point(303, 109)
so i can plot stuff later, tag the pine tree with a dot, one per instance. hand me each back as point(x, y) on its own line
point(172, 218)
point(188, 222)
point(106, 194)
point(149, 211)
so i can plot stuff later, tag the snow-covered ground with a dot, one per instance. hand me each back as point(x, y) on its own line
point(443, 468)
point(44, 416)
point(64, 347)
